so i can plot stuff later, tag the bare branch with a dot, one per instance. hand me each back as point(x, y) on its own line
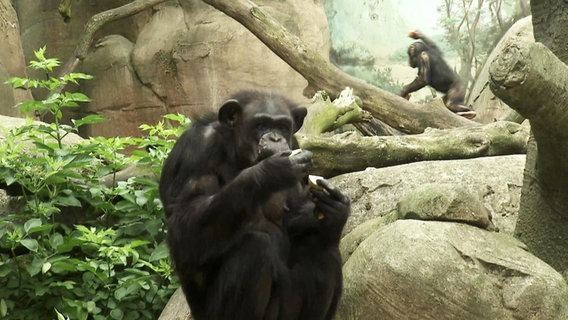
point(96, 23)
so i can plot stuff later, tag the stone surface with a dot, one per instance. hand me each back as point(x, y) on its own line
point(444, 202)
point(12, 62)
point(496, 180)
point(414, 269)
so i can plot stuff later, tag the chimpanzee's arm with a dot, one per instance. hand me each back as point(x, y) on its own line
point(423, 78)
point(429, 42)
point(252, 186)
point(213, 213)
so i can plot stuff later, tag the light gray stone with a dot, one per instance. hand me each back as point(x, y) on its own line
point(414, 269)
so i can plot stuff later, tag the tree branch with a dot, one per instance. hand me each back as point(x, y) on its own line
point(349, 152)
point(532, 80)
point(95, 24)
point(322, 75)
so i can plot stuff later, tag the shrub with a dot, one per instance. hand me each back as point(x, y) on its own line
point(77, 246)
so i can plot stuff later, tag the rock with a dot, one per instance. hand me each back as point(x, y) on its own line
point(116, 91)
point(188, 59)
point(177, 308)
point(9, 123)
point(440, 270)
point(12, 62)
point(444, 202)
point(376, 192)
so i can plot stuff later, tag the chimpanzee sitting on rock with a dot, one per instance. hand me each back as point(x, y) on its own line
point(249, 237)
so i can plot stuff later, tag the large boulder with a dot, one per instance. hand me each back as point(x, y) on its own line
point(414, 269)
point(375, 192)
point(184, 57)
point(216, 55)
point(12, 62)
point(42, 24)
point(116, 92)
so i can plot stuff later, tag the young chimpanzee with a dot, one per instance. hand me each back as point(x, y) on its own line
point(239, 209)
point(435, 72)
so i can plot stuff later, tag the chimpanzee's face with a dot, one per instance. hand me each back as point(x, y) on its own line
point(263, 125)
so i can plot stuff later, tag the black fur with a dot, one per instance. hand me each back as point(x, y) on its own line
point(248, 238)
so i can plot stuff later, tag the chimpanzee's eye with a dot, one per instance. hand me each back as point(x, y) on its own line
point(261, 127)
point(284, 130)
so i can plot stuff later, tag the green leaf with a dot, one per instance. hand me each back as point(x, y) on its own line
point(35, 266)
point(137, 272)
point(31, 105)
point(59, 267)
point(5, 270)
point(141, 198)
point(40, 53)
point(45, 268)
point(137, 243)
point(91, 306)
point(31, 244)
point(73, 76)
point(9, 178)
point(3, 308)
point(120, 293)
point(44, 227)
point(16, 82)
point(161, 252)
point(79, 97)
point(32, 223)
point(90, 119)
point(69, 201)
point(60, 316)
point(55, 240)
point(117, 314)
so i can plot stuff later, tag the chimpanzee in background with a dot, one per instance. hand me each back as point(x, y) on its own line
point(248, 237)
point(435, 72)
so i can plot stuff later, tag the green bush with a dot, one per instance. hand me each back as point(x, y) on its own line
point(77, 247)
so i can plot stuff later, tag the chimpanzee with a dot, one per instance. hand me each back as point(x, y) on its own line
point(434, 71)
point(314, 229)
point(248, 237)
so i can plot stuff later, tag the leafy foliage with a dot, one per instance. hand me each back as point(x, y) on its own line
point(77, 247)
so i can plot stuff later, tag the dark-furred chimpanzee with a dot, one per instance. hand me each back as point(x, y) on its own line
point(248, 237)
point(435, 72)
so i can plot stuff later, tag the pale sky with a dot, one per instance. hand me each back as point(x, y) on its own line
point(421, 14)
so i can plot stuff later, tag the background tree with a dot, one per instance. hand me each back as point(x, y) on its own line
point(473, 27)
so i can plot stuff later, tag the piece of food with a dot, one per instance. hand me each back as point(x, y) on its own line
point(313, 182)
point(294, 152)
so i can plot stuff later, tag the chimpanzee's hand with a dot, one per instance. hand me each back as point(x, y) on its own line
point(332, 208)
point(283, 170)
point(415, 34)
point(301, 161)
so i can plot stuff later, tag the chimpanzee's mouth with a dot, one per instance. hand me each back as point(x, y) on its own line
point(264, 153)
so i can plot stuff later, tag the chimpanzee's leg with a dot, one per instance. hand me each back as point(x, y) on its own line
point(454, 100)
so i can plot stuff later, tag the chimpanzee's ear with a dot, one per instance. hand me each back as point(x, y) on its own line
point(230, 112)
point(299, 114)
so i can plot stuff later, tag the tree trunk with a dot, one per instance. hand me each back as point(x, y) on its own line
point(550, 18)
point(349, 152)
point(322, 75)
point(532, 80)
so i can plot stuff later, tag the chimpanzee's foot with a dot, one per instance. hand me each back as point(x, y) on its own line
point(467, 114)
